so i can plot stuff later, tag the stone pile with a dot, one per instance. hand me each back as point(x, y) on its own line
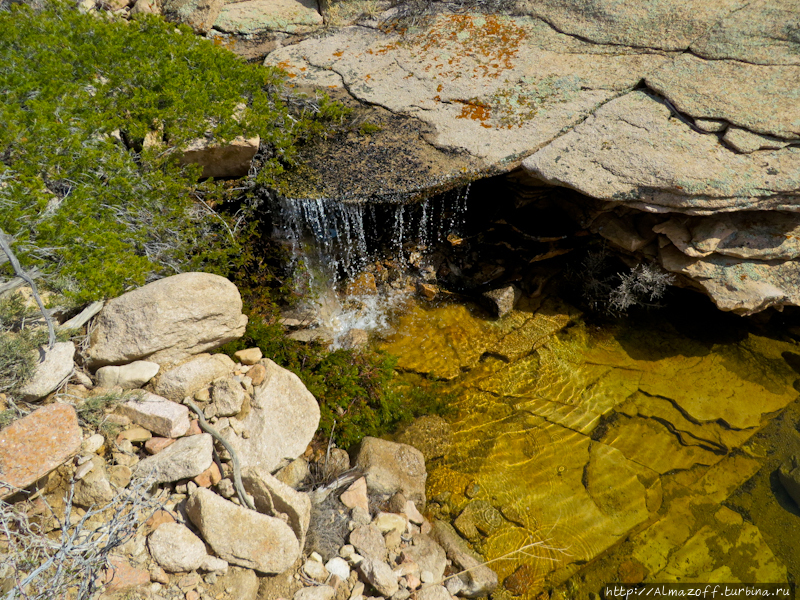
point(224, 444)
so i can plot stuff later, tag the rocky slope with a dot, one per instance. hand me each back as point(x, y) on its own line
point(213, 456)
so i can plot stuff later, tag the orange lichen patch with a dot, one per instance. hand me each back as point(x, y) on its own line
point(285, 66)
point(491, 41)
point(474, 111)
point(339, 53)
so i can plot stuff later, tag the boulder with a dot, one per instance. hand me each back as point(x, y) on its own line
point(478, 579)
point(167, 321)
point(163, 417)
point(221, 159)
point(128, 377)
point(53, 368)
point(175, 548)
point(35, 445)
point(281, 403)
point(185, 379)
point(260, 16)
point(390, 467)
point(228, 396)
point(268, 492)
point(197, 14)
point(186, 458)
point(243, 537)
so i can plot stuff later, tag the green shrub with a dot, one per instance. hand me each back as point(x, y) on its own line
point(99, 215)
point(353, 387)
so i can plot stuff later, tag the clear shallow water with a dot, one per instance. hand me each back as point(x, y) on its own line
point(642, 450)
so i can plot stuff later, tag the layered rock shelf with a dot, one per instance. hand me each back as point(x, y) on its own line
point(658, 108)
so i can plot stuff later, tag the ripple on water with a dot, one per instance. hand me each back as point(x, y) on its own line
point(582, 438)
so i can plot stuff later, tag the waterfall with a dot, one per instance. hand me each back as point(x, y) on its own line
point(335, 241)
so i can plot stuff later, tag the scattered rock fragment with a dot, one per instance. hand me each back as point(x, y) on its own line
point(187, 378)
point(128, 377)
point(161, 416)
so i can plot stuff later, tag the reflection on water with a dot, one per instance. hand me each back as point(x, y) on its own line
point(639, 451)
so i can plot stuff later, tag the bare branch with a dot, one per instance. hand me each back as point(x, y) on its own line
point(5, 246)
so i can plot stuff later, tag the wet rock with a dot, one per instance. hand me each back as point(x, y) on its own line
point(478, 579)
point(321, 335)
point(221, 159)
point(193, 375)
point(35, 445)
point(281, 403)
point(369, 542)
point(167, 321)
point(186, 458)
point(128, 377)
point(380, 576)
point(228, 396)
point(430, 434)
point(175, 548)
point(159, 415)
point(503, 300)
point(53, 368)
point(789, 476)
point(269, 494)
point(390, 467)
point(478, 518)
point(355, 338)
point(522, 580)
point(241, 536)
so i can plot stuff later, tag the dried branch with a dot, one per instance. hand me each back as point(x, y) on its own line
point(5, 246)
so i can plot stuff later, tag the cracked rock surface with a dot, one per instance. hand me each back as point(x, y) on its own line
point(656, 105)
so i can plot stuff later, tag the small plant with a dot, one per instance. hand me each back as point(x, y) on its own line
point(46, 557)
point(92, 411)
point(607, 290)
point(369, 128)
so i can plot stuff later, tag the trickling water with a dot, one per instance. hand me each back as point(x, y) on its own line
point(335, 241)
